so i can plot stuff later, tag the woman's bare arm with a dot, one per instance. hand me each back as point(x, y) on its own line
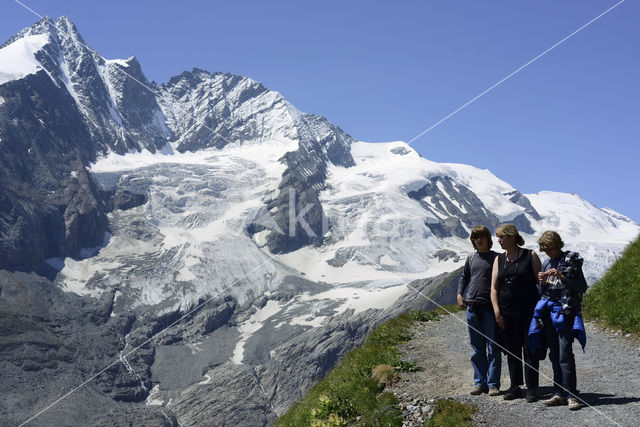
point(494, 294)
point(536, 264)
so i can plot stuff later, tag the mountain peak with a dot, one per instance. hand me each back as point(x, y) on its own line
point(61, 28)
point(65, 26)
point(64, 19)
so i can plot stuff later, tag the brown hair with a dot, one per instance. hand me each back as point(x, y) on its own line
point(510, 230)
point(480, 231)
point(550, 240)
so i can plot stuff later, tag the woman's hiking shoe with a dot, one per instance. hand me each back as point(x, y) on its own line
point(513, 393)
point(479, 389)
point(531, 395)
point(555, 401)
point(493, 391)
point(574, 405)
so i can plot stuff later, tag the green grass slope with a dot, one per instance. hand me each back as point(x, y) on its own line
point(349, 395)
point(615, 299)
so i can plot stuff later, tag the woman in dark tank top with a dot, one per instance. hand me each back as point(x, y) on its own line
point(519, 295)
point(514, 294)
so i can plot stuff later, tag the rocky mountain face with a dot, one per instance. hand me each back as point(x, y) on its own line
point(49, 203)
point(201, 251)
point(54, 122)
point(211, 110)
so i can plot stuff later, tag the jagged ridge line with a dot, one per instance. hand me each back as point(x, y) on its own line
point(129, 75)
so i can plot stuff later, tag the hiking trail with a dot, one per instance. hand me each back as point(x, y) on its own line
point(608, 379)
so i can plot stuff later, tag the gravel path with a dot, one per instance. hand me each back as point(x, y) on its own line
point(608, 380)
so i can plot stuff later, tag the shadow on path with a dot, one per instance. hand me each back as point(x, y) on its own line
point(593, 399)
point(599, 399)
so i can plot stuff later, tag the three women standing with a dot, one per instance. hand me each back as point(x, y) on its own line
point(517, 282)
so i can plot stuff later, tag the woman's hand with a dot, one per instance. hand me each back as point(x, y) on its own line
point(461, 302)
point(500, 320)
point(552, 272)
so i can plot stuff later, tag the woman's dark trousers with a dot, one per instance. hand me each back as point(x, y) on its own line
point(515, 333)
point(561, 356)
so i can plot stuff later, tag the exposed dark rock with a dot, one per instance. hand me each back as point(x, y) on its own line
point(448, 227)
point(261, 301)
point(46, 338)
point(447, 199)
point(520, 199)
point(50, 205)
point(296, 209)
point(342, 256)
point(222, 405)
point(136, 416)
point(401, 151)
point(522, 223)
point(218, 317)
point(124, 199)
point(445, 254)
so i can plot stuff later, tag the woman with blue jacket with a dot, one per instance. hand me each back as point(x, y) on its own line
point(563, 284)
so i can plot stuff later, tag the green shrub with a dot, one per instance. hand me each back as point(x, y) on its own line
point(615, 298)
point(451, 413)
point(405, 366)
point(349, 391)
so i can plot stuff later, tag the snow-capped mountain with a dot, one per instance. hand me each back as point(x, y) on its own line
point(120, 110)
point(280, 237)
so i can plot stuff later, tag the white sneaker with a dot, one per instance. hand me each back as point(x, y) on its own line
point(574, 404)
point(555, 400)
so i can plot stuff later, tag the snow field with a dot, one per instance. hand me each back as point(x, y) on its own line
point(18, 59)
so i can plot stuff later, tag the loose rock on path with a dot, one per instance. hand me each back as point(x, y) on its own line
point(608, 380)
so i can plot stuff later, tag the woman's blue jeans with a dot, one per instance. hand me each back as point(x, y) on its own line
point(486, 358)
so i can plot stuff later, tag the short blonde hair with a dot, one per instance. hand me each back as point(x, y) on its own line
point(480, 231)
point(550, 240)
point(510, 230)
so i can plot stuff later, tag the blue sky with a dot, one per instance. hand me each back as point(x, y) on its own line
point(386, 71)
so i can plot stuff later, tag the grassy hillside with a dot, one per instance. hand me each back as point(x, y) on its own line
point(615, 299)
point(349, 395)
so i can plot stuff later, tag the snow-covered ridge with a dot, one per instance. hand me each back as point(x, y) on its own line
point(214, 109)
point(97, 85)
point(579, 220)
point(18, 58)
point(121, 62)
point(397, 166)
point(378, 232)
